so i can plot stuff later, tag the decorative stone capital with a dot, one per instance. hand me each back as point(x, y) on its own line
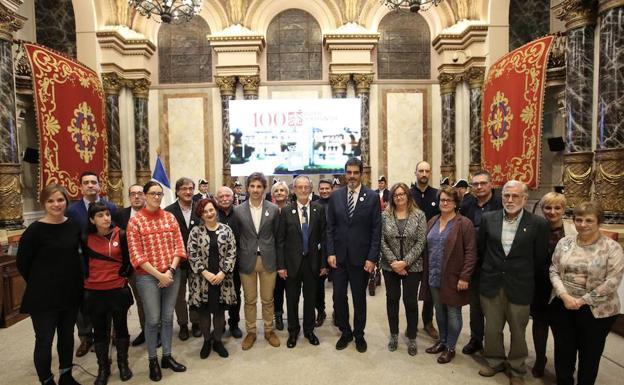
point(112, 83)
point(576, 13)
point(226, 84)
point(577, 177)
point(448, 171)
point(10, 22)
point(448, 82)
point(143, 176)
point(10, 196)
point(475, 76)
point(139, 87)
point(362, 83)
point(250, 83)
point(606, 5)
point(609, 179)
point(115, 187)
point(338, 83)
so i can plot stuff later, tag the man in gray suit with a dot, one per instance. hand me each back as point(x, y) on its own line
point(255, 223)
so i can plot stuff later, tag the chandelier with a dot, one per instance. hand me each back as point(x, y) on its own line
point(168, 11)
point(413, 5)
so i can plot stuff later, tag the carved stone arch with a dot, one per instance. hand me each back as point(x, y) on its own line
point(375, 11)
point(260, 13)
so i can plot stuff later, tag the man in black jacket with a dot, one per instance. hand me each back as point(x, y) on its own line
point(182, 209)
point(513, 246)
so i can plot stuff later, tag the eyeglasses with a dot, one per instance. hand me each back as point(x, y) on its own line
point(186, 188)
point(155, 194)
point(400, 195)
point(136, 194)
point(445, 201)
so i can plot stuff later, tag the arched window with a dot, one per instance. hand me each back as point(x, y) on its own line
point(56, 25)
point(404, 50)
point(294, 47)
point(184, 54)
point(528, 20)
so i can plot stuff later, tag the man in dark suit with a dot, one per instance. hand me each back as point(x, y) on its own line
point(513, 244)
point(78, 213)
point(255, 224)
point(300, 258)
point(382, 190)
point(137, 202)
point(182, 210)
point(202, 186)
point(353, 238)
point(325, 190)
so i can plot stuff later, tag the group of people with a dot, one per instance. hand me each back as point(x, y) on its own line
point(444, 247)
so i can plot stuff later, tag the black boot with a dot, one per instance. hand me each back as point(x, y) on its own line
point(154, 370)
point(122, 358)
point(67, 379)
point(167, 362)
point(101, 352)
point(49, 381)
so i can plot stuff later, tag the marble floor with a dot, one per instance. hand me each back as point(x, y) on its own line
point(305, 364)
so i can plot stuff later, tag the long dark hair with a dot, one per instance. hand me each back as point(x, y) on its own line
point(95, 208)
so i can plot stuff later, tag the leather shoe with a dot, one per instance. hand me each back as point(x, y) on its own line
point(218, 347)
point(205, 350)
point(184, 333)
point(431, 331)
point(360, 344)
point(312, 338)
point(538, 369)
point(248, 341)
point(446, 356)
point(195, 330)
point(488, 371)
point(272, 338)
point(320, 318)
point(472, 347)
point(292, 341)
point(516, 380)
point(343, 342)
point(84, 347)
point(235, 332)
point(167, 362)
point(139, 340)
point(279, 321)
point(154, 370)
point(437, 348)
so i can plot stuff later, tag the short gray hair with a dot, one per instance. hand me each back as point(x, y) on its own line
point(302, 177)
point(225, 189)
point(281, 183)
point(516, 183)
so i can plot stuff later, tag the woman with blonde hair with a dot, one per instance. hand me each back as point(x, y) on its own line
point(403, 231)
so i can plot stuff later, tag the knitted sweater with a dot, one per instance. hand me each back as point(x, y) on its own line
point(154, 237)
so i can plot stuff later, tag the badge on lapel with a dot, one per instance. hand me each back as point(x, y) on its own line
point(115, 243)
point(294, 211)
point(362, 199)
point(266, 213)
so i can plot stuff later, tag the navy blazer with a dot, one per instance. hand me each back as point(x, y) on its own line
point(356, 239)
point(78, 213)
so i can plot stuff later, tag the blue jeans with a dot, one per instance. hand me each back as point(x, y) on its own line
point(449, 319)
point(158, 305)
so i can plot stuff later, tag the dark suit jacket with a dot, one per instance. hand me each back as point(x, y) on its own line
point(78, 213)
point(122, 217)
point(525, 264)
point(197, 197)
point(248, 240)
point(460, 258)
point(354, 240)
point(175, 209)
point(290, 239)
point(386, 195)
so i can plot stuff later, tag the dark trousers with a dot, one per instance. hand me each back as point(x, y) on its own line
point(577, 331)
point(218, 321)
point(84, 326)
point(102, 325)
point(320, 294)
point(137, 300)
point(541, 322)
point(234, 309)
point(45, 325)
point(278, 295)
point(410, 284)
point(357, 278)
point(477, 320)
point(306, 277)
point(427, 312)
point(181, 308)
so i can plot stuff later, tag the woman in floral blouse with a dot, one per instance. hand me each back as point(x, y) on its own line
point(212, 255)
point(585, 273)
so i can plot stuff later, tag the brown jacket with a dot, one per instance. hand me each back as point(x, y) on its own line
point(460, 257)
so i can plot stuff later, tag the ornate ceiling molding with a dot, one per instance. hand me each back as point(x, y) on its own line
point(460, 41)
point(576, 13)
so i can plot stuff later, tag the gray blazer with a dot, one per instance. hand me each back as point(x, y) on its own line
point(415, 234)
point(248, 240)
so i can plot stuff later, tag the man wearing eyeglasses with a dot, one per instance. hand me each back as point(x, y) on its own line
point(182, 209)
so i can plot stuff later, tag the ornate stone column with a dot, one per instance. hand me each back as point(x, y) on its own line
point(579, 17)
point(11, 207)
point(227, 87)
point(448, 83)
point(475, 77)
point(140, 94)
point(338, 83)
point(251, 85)
point(609, 173)
point(112, 84)
point(362, 91)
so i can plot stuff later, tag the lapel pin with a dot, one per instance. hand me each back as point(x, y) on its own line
point(314, 210)
point(432, 203)
point(192, 222)
point(294, 211)
point(361, 199)
point(115, 244)
point(524, 229)
point(266, 213)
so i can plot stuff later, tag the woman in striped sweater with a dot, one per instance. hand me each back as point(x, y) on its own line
point(156, 249)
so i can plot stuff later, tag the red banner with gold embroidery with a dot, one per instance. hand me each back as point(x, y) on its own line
point(511, 119)
point(69, 101)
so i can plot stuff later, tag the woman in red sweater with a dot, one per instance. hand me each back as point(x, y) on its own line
point(156, 248)
point(107, 295)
